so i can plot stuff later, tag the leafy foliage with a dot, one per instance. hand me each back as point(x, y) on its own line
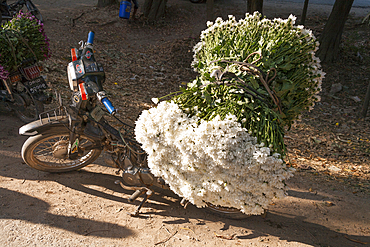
point(22, 38)
point(271, 46)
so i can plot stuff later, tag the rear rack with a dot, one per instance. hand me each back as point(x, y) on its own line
point(53, 115)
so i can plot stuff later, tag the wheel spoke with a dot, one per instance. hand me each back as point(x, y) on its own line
point(44, 152)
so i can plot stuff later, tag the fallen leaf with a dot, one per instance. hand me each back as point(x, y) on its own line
point(355, 98)
point(225, 237)
point(187, 229)
point(334, 169)
point(304, 167)
point(329, 204)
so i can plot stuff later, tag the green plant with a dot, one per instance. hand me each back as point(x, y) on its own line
point(274, 57)
point(22, 38)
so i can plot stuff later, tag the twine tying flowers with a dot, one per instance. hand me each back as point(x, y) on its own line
point(253, 70)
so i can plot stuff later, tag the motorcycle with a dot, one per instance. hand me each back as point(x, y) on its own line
point(70, 137)
point(9, 10)
point(24, 91)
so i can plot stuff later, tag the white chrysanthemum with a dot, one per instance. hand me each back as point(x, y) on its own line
point(214, 161)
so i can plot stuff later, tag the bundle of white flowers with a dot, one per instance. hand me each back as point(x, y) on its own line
point(221, 140)
point(215, 161)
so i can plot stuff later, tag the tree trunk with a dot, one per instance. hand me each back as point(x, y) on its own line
point(366, 102)
point(210, 7)
point(332, 34)
point(304, 12)
point(254, 5)
point(154, 9)
point(104, 3)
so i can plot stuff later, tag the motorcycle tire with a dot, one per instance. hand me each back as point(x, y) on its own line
point(48, 151)
point(34, 10)
point(26, 107)
point(225, 212)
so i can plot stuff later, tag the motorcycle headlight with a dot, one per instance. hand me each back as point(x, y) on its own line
point(72, 78)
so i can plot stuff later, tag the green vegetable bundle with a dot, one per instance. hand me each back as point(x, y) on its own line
point(262, 71)
point(232, 96)
point(288, 73)
point(21, 39)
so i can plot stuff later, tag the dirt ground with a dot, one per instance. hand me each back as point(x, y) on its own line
point(328, 202)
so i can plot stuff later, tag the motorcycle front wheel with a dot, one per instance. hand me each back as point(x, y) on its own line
point(48, 151)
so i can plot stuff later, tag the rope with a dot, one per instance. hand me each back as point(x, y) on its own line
point(254, 70)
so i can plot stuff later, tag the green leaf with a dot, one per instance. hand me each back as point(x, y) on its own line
point(253, 82)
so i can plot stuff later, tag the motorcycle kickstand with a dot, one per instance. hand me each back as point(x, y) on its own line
point(148, 193)
point(139, 191)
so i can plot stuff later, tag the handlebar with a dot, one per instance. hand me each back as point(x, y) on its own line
point(101, 95)
point(109, 106)
point(90, 37)
point(106, 102)
point(86, 75)
point(87, 50)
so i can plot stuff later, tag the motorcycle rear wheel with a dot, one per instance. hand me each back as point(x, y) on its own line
point(48, 151)
point(225, 212)
point(26, 107)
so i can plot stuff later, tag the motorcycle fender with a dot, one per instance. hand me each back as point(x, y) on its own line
point(42, 125)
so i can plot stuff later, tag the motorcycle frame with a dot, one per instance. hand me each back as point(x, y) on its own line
point(14, 8)
point(75, 121)
point(79, 114)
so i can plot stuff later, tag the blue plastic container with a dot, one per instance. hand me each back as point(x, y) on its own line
point(125, 9)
